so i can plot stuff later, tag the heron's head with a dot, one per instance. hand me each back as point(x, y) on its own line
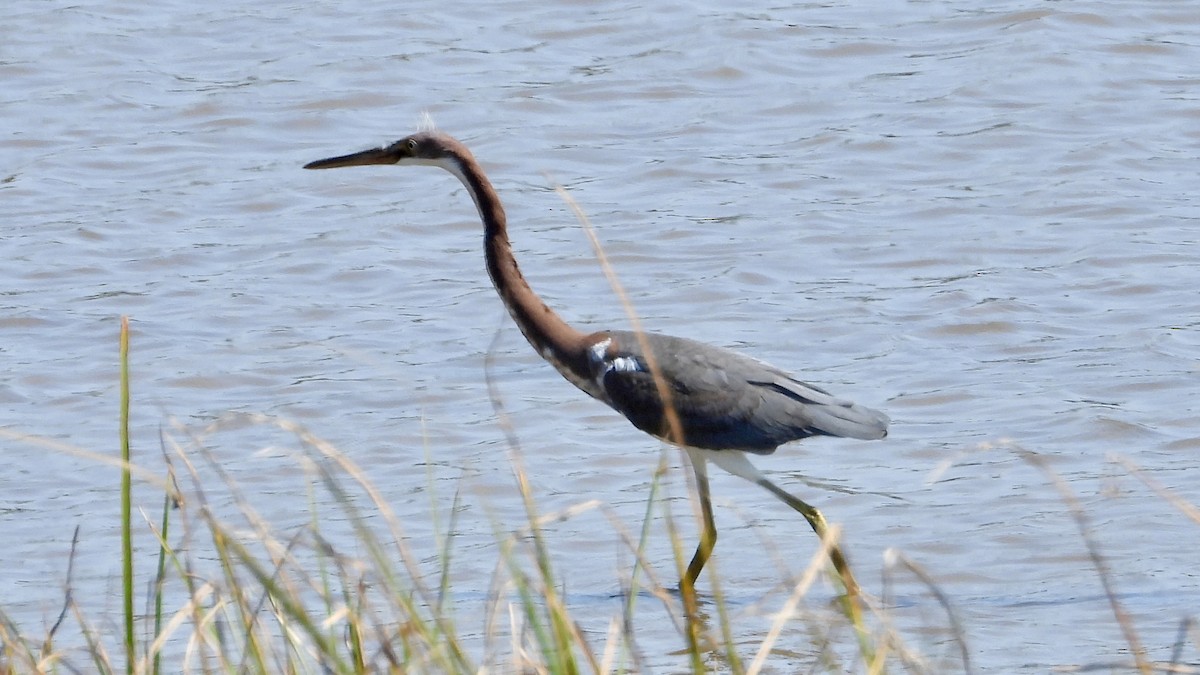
point(425, 147)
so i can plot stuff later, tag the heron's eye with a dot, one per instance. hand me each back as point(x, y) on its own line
point(412, 144)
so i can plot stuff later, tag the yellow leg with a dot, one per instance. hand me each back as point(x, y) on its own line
point(708, 535)
point(853, 600)
point(818, 524)
point(708, 539)
point(736, 463)
point(687, 583)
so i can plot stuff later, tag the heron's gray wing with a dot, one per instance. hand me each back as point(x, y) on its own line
point(827, 414)
point(725, 400)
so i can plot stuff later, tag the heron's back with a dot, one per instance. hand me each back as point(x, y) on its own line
point(726, 400)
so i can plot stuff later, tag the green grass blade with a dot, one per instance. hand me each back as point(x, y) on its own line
point(126, 502)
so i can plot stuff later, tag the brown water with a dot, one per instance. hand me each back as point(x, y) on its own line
point(979, 217)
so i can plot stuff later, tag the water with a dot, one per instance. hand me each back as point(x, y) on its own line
point(977, 217)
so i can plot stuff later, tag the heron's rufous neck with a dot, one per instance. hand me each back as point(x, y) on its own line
point(554, 339)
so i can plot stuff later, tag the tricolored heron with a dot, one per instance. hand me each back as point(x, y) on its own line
point(716, 404)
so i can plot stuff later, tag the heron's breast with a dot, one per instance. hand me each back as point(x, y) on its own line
point(589, 385)
point(606, 357)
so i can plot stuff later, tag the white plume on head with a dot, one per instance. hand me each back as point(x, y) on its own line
point(426, 123)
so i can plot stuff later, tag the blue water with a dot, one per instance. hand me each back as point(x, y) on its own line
point(979, 218)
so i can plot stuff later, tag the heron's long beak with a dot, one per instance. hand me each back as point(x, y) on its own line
point(372, 156)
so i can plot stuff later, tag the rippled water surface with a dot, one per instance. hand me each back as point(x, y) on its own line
point(979, 217)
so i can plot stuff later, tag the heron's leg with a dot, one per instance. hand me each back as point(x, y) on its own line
point(852, 601)
point(708, 535)
point(708, 538)
point(817, 521)
point(736, 463)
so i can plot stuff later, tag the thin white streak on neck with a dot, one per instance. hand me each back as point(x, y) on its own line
point(453, 166)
